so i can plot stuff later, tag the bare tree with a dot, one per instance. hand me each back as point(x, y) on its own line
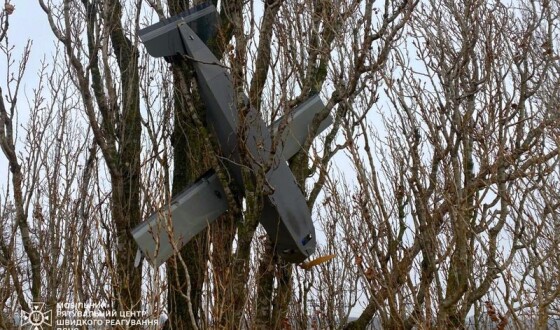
point(16, 202)
point(45, 205)
point(441, 209)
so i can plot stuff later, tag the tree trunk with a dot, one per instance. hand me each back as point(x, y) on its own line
point(126, 184)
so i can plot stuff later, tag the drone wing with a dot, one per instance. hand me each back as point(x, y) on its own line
point(166, 231)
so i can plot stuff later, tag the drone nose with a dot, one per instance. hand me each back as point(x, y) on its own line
point(306, 239)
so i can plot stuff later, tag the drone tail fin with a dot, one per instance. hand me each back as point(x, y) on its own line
point(164, 39)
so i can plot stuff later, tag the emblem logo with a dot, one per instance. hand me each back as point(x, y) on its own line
point(37, 317)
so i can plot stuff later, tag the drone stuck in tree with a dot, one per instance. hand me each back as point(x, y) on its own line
point(285, 214)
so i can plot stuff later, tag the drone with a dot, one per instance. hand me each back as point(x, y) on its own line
point(285, 214)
